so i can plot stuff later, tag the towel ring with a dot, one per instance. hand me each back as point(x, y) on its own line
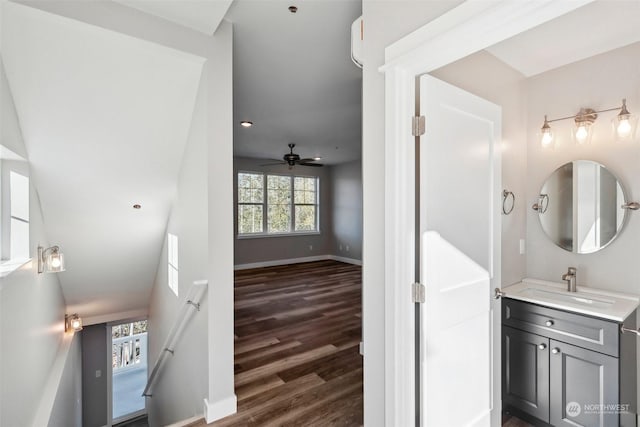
point(542, 205)
point(507, 207)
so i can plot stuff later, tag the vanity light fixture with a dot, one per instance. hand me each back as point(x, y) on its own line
point(72, 322)
point(50, 260)
point(624, 125)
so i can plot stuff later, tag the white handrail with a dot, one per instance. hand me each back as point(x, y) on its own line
point(191, 304)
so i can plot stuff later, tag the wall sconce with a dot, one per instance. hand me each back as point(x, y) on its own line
point(624, 125)
point(50, 260)
point(72, 322)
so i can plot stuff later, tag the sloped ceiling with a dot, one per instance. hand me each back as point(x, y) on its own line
point(593, 29)
point(105, 118)
point(293, 77)
point(199, 15)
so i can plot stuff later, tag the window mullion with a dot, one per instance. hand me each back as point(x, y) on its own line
point(292, 210)
point(265, 203)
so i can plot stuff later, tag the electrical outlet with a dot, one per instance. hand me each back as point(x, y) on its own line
point(347, 248)
point(310, 247)
point(98, 373)
point(522, 247)
point(340, 247)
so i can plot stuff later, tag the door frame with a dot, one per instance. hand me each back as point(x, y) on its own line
point(450, 37)
point(110, 420)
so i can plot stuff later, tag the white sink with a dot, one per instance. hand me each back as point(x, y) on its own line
point(590, 301)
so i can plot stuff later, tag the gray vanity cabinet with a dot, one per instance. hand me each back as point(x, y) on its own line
point(554, 361)
point(582, 377)
point(525, 379)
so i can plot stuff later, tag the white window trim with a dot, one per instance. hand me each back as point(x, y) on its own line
point(265, 207)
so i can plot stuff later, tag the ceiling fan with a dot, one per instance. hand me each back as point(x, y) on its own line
point(293, 159)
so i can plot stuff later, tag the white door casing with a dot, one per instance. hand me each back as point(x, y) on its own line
point(466, 29)
point(459, 225)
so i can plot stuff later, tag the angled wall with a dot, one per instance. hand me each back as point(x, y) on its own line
point(32, 309)
point(182, 384)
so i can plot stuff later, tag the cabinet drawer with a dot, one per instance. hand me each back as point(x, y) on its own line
point(587, 332)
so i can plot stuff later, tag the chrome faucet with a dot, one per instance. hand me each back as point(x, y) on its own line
point(570, 278)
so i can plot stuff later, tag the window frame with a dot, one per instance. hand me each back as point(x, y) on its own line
point(173, 270)
point(13, 215)
point(265, 206)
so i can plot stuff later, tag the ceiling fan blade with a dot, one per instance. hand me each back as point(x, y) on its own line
point(311, 164)
point(271, 164)
point(308, 160)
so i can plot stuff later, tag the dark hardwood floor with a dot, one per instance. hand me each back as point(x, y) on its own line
point(297, 329)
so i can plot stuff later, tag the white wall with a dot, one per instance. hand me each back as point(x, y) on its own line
point(219, 73)
point(32, 310)
point(385, 23)
point(599, 82)
point(346, 210)
point(182, 385)
point(67, 407)
point(484, 75)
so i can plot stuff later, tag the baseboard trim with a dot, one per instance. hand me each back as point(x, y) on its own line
point(186, 422)
point(346, 260)
point(277, 262)
point(214, 411)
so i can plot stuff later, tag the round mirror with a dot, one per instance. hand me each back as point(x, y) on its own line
point(580, 207)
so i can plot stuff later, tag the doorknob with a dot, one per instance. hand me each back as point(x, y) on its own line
point(542, 346)
point(555, 350)
point(549, 323)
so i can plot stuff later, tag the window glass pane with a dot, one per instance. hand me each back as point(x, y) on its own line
point(305, 190)
point(305, 218)
point(172, 252)
point(19, 191)
point(279, 218)
point(19, 239)
point(250, 188)
point(249, 219)
point(173, 279)
point(279, 204)
point(172, 261)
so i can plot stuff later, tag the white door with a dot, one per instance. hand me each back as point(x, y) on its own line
point(460, 252)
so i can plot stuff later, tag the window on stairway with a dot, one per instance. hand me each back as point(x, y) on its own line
point(271, 204)
point(172, 258)
point(19, 222)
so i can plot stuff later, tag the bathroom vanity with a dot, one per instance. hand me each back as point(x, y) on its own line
point(565, 359)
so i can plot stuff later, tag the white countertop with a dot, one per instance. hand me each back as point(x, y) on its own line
point(609, 305)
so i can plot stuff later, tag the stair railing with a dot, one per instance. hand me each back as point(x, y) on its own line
point(191, 305)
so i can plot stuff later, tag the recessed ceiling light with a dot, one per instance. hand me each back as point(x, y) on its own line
point(246, 124)
point(137, 206)
point(293, 9)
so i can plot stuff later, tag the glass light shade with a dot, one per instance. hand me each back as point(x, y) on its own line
point(547, 138)
point(54, 262)
point(73, 323)
point(624, 127)
point(583, 133)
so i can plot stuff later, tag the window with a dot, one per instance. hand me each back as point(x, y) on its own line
point(19, 223)
point(290, 204)
point(172, 258)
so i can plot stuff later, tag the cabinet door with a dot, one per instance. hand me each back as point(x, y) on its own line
point(525, 372)
point(583, 383)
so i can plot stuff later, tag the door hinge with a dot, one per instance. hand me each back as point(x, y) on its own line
point(418, 293)
point(418, 125)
